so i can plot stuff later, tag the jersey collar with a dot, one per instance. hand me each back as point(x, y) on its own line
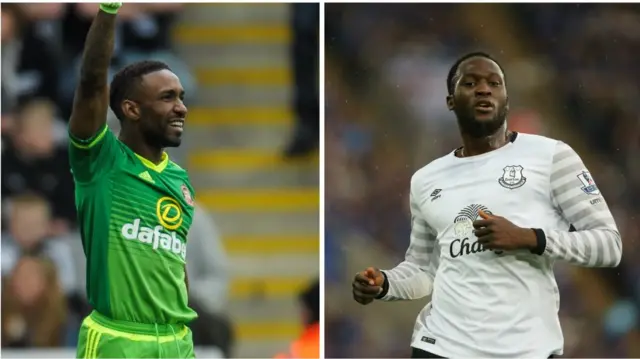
point(159, 167)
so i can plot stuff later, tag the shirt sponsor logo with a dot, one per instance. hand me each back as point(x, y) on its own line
point(463, 231)
point(157, 237)
point(162, 236)
point(169, 213)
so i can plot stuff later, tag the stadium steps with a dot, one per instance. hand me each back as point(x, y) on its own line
point(265, 207)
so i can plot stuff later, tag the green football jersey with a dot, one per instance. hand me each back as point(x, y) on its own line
point(134, 218)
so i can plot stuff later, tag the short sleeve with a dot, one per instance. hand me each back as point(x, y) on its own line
point(94, 157)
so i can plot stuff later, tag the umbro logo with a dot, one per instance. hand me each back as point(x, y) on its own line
point(435, 194)
point(146, 176)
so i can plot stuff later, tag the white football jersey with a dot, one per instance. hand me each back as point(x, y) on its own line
point(492, 303)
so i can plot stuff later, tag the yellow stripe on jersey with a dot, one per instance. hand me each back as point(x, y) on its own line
point(92, 344)
point(92, 142)
point(159, 167)
point(93, 325)
point(87, 344)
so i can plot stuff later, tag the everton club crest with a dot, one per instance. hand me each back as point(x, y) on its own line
point(512, 177)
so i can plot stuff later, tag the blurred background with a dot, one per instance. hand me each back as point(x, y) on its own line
point(251, 77)
point(571, 75)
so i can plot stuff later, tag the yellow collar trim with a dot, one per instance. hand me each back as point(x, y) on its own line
point(159, 167)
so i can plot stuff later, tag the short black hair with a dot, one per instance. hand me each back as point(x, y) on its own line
point(454, 69)
point(310, 299)
point(124, 82)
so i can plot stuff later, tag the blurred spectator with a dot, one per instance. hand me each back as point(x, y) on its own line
point(45, 21)
point(308, 344)
point(304, 55)
point(208, 284)
point(33, 305)
point(35, 162)
point(30, 233)
point(207, 265)
point(24, 75)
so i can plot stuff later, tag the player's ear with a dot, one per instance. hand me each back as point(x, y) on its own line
point(131, 110)
point(450, 102)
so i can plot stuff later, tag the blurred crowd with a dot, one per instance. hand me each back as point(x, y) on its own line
point(43, 266)
point(570, 75)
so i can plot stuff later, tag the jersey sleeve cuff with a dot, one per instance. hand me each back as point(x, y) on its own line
point(541, 241)
point(87, 143)
point(385, 287)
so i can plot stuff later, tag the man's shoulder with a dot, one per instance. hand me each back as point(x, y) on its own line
point(538, 144)
point(435, 166)
point(176, 167)
point(177, 171)
point(528, 139)
point(181, 178)
point(542, 147)
point(554, 145)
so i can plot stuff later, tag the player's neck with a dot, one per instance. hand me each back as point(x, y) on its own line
point(154, 155)
point(472, 146)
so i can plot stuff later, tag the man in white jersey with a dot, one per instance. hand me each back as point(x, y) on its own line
point(488, 222)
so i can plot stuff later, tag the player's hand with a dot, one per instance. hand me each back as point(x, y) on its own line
point(498, 233)
point(367, 285)
point(110, 7)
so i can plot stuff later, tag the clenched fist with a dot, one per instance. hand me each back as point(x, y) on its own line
point(367, 285)
point(110, 7)
point(498, 233)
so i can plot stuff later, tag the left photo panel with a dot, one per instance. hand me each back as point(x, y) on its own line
point(160, 180)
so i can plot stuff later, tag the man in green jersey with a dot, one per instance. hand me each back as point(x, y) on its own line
point(135, 206)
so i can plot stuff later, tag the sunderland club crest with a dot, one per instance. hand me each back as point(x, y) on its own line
point(512, 177)
point(187, 195)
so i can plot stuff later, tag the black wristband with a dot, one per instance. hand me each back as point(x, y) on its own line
point(385, 286)
point(541, 241)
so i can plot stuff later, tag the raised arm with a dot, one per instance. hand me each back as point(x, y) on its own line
point(89, 113)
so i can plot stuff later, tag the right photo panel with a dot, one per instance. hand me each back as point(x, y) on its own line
point(482, 180)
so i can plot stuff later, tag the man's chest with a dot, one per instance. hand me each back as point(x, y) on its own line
point(450, 200)
point(156, 198)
